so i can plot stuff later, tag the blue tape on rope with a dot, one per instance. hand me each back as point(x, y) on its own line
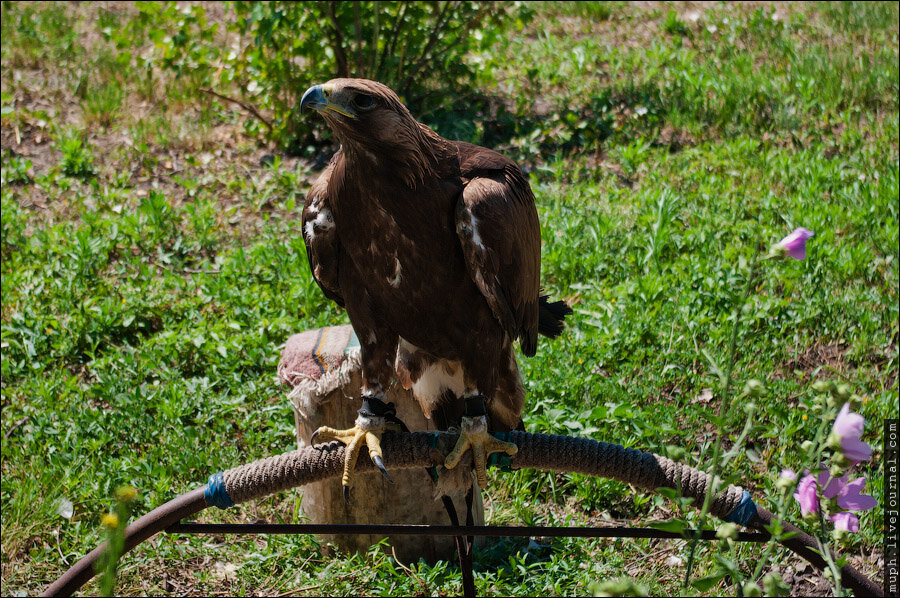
point(215, 494)
point(744, 512)
point(500, 460)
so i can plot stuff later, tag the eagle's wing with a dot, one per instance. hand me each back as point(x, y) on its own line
point(497, 225)
point(322, 244)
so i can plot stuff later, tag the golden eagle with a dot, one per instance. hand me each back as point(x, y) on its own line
point(434, 249)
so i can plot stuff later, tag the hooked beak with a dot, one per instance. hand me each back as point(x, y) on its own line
point(316, 97)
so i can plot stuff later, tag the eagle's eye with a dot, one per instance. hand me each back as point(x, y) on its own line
point(363, 101)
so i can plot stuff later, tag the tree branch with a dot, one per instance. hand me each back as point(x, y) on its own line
point(391, 42)
point(433, 39)
point(371, 73)
point(358, 28)
point(245, 105)
point(340, 56)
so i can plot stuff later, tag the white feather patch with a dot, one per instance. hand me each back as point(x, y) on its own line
point(438, 376)
point(323, 221)
point(434, 381)
point(476, 238)
point(395, 281)
point(471, 228)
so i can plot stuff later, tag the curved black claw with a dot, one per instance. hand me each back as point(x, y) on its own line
point(396, 421)
point(347, 494)
point(312, 439)
point(380, 465)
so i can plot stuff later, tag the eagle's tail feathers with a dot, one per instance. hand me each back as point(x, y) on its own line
point(551, 316)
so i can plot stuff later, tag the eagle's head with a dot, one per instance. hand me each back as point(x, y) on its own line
point(373, 124)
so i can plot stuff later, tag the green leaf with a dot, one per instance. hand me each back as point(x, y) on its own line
point(714, 366)
point(676, 526)
point(622, 411)
point(670, 493)
point(704, 584)
point(719, 422)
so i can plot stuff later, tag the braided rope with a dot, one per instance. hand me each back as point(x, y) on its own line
point(540, 451)
point(536, 451)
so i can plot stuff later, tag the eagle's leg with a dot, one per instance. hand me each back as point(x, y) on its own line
point(474, 435)
point(375, 417)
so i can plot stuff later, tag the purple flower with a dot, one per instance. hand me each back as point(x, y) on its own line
point(849, 496)
point(832, 486)
point(795, 243)
point(856, 450)
point(806, 495)
point(786, 480)
point(845, 521)
point(848, 427)
point(848, 424)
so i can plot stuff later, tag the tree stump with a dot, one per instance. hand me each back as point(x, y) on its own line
point(322, 367)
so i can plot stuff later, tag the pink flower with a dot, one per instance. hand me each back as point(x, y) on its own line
point(786, 480)
point(856, 450)
point(832, 486)
point(795, 243)
point(848, 427)
point(845, 521)
point(849, 496)
point(848, 424)
point(806, 495)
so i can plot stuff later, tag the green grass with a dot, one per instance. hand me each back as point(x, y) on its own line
point(152, 269)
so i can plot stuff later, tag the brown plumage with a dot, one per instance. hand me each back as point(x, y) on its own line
point(433, 247)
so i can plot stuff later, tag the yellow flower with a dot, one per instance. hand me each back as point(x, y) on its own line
point(110, 520)
point(804, 417)
point(126, 493)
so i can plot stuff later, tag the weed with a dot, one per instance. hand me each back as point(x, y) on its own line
point(674, 25)
point(102, 104)
point(15, 170)
point(77, 156)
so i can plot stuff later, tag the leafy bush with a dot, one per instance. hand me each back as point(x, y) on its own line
point(418, 49)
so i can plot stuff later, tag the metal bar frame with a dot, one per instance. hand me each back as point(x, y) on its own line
point(450, 530)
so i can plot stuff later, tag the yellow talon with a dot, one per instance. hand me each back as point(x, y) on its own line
point(474, 435)
point(353, 439)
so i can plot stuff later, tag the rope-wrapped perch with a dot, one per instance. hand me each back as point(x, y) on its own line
point(536, 451)
point(420, 449)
